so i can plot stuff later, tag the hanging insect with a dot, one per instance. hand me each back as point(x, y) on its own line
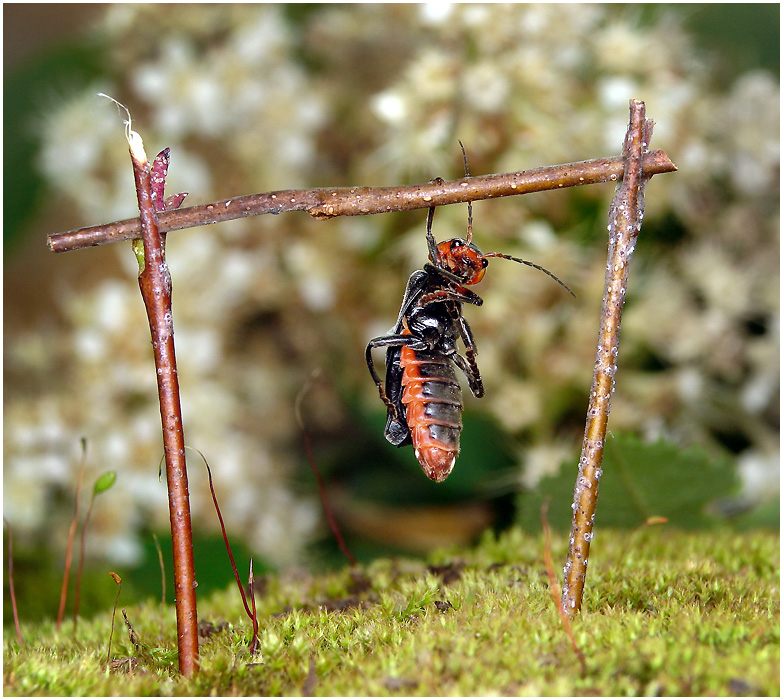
point(422, 395)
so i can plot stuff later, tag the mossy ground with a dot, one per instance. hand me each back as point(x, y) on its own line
point(666, 612)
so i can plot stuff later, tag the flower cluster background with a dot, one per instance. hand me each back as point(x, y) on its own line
point(252, 98)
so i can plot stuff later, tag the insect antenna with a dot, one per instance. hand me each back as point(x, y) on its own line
point(531, 264)
point(500, 255)
point(469, 235)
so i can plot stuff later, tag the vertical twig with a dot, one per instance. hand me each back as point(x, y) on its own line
point(625, 220)
point(11, 581)
point(155, 285)
point(71, 535)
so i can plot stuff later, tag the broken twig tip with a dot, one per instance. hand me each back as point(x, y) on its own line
point(134, 140)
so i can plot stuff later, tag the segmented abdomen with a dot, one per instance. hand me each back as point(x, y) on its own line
point(433, 409)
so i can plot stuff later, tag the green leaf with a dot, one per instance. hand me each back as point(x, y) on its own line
point(104, 482)
point(640, 480)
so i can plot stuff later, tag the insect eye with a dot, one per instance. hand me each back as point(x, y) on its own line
point(457, 243)
point(484, 263)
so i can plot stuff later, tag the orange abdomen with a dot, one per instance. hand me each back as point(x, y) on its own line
point(433, 409)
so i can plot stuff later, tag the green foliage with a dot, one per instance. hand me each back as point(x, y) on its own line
point(674, 614)
point(640, 480)
point(59, 70)
point(104, 482)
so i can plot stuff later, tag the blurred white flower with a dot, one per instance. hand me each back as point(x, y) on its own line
point(252, 99)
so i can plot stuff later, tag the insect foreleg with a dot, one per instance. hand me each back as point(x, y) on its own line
point(469, 367)
point(468, 363)
point(461, 295)
point(386, 341)
point(467, 335)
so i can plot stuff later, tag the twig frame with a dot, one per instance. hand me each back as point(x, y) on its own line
point(325, 203)
point(625, 221)
point(155, 286)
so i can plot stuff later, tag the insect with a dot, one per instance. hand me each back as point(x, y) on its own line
point(422, 394)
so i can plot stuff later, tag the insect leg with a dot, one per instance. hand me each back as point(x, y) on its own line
point(468, 363)
point(460, 294)
point(432, 247)
point(386, 341)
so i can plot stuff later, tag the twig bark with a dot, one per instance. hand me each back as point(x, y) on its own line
point(625, 220)
point(155, 285)
point(353, 201)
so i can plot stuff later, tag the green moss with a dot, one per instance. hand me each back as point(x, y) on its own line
point(666, 612)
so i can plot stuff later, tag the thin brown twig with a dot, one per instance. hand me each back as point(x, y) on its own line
point(325, 203)
point(155, 286)
point(11, 581)
point(625, 220)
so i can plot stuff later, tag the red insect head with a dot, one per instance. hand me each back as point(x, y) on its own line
point(463, 259)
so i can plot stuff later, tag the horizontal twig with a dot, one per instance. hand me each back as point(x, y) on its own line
point(324, 203)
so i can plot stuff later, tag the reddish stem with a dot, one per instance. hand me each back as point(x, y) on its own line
point(155, 285)
point(79, 570)
point(118, 581)
point(11, 581)
point(254, 616)
point(330, 519)
point(225, 540)
point(71, 535)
